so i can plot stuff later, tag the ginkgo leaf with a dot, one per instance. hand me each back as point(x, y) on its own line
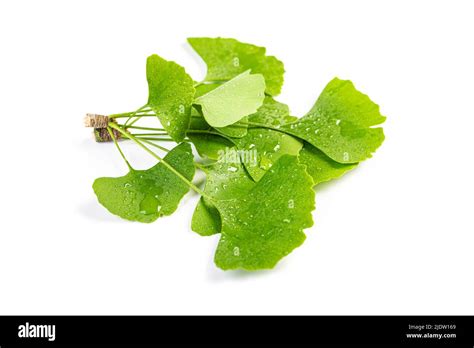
point(231, 101)
point(224, 180)
point(227, 58)
point(206, 219)
point(340, 124)
point(268, 146)
point(272, 113)
point(204, 88)
point(236, 130)
point(207, 145)
point(145, 195)
point(256, 233)
point(170, 95)
point(321, 167)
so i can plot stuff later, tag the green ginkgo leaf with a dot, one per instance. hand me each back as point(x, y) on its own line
point(233, 100)
point(224, 180)
point(263, 147)
point(145, 195)
point(257, 233)
point(268, 144)
point(272, 113)
point(227, 58)
point(210, 146)
point(341, 124)
point(321, 167)
point(207, 144)
point(170, 95)
point(206, 219)
point(236, 130)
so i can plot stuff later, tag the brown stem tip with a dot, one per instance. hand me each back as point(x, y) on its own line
point(102, 135)
point(96, 121)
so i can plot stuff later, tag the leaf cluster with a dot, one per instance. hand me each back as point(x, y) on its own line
point(262, 162)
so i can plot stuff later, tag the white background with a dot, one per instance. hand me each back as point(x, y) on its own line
point(394, 236)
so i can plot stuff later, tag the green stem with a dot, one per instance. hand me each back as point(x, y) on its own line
point(155, 145)
point(118, 147)
point(137, 115)
point(276, 129)
point(156, 139)
point(143, 109)
point(146, 128)
point(200, 166)
point(150, 134)
point(166, 164)
point(138, 111)
point(200, 131)
point(136, 120)
point(261, 125)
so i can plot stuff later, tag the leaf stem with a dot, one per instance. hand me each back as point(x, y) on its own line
point(200, 131)
point(148, 134)
point(118, 147)
point(145, 128)
point(261, 125)
point(200, 166)
point(137, 115)
point(138, 111)
point(143, 109)
point(166, 164)
point(155, 145)
point(153, 138)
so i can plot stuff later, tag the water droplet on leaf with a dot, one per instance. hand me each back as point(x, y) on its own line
point(148, 205)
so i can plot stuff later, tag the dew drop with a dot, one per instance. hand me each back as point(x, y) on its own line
point(265, 163)
point(148, 205)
